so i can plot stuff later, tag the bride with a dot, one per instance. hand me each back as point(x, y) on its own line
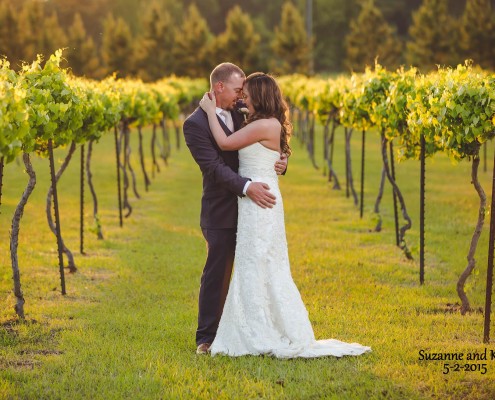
point(264, 312)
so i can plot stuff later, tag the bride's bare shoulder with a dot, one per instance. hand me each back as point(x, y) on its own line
point(267, 123)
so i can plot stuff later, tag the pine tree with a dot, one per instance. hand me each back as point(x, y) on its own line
point(30, 19)
point(239, 43)
point(50, 36)
point(154, 53)
point(370, 38)
point(9, 35)
point(290, 43)
point(117, 49)
point(477, 33)
point(81, 53)
point(432, 36)
point(38, 33)
point(192, 49)
point(331, 25)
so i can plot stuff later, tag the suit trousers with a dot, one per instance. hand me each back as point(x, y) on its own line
point(215, 281)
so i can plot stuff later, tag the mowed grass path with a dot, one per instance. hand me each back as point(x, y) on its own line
point(125, 330)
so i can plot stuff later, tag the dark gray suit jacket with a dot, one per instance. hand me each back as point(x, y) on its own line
point(221, 183)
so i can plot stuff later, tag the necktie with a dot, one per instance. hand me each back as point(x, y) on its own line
point(228, 119)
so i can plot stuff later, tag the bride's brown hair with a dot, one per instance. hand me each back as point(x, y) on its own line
point(268, 102)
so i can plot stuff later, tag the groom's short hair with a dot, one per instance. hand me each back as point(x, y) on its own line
point(222, 72)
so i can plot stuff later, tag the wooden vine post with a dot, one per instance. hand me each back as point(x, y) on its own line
point(376, 209)
point(484, 157)
point(147, 181)
point(489, 270)
point(177, 133)
point(119, 185)
point(92, 190)
point(1, 180)
point(363, 139)
point(389, 172)
point(348, 167)
point(57, 216)
point(326, 131)
point(81, 203)
point(14, 130)
point(166, 147)
point(14, 236)
point(53, 226)
point(332, 145)
point(126, 166)
point(154, 165)
point(422, 212)
point(311, 139)
point(332, 176)
point(394, 193)
point(465, 306)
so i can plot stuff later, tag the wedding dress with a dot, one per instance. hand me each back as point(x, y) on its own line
point(264, 312)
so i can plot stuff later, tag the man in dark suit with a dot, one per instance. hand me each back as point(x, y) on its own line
point(221, 186)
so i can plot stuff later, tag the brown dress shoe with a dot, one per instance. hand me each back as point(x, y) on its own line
point(203, 348)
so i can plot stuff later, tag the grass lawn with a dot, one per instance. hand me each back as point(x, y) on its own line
point(126, 328)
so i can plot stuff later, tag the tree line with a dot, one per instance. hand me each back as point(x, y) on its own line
point(150, 39)
point(165, 46)
point(435, 37)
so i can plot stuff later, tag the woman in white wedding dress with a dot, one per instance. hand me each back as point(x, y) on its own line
point(264, 312)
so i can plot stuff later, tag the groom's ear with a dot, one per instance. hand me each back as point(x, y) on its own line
point(218, 87)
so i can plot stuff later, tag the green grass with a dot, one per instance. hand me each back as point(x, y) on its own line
point(126, 327)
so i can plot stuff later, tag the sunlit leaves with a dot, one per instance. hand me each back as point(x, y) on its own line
point(13, 113)
point(453, 108)
point(45, 102)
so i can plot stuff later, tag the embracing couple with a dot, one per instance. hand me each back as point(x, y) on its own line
point(259, 309)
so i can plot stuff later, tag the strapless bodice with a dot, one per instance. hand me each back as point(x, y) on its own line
point(257, 161)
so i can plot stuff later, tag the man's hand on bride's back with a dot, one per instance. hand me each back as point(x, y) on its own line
point(259, 192)
point(281, 164)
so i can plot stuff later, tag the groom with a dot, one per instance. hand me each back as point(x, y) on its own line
point(221, 186)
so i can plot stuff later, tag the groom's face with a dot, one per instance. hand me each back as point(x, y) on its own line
point(229, 91)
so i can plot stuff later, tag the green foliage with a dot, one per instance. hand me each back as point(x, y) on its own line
point(54, 108)
point(154, 52)
point(394, 114)
point(50, 36)
point(330, 27)
point(193, 41)
point(30, 20)
point(14, 125)
point(101, 108)
point(34, 32)
point(239, 43)
point(117, 48)
point(290, 43)
point(45, 102)
point(179, 93)
point(10, 34)
point(81, 52)
point(477, 33)
point(453, 108)
point(92, 13)
point(371, 38)
point(433, 36)
point(25, 32)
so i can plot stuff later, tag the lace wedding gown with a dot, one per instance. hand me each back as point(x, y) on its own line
point(264, 312)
